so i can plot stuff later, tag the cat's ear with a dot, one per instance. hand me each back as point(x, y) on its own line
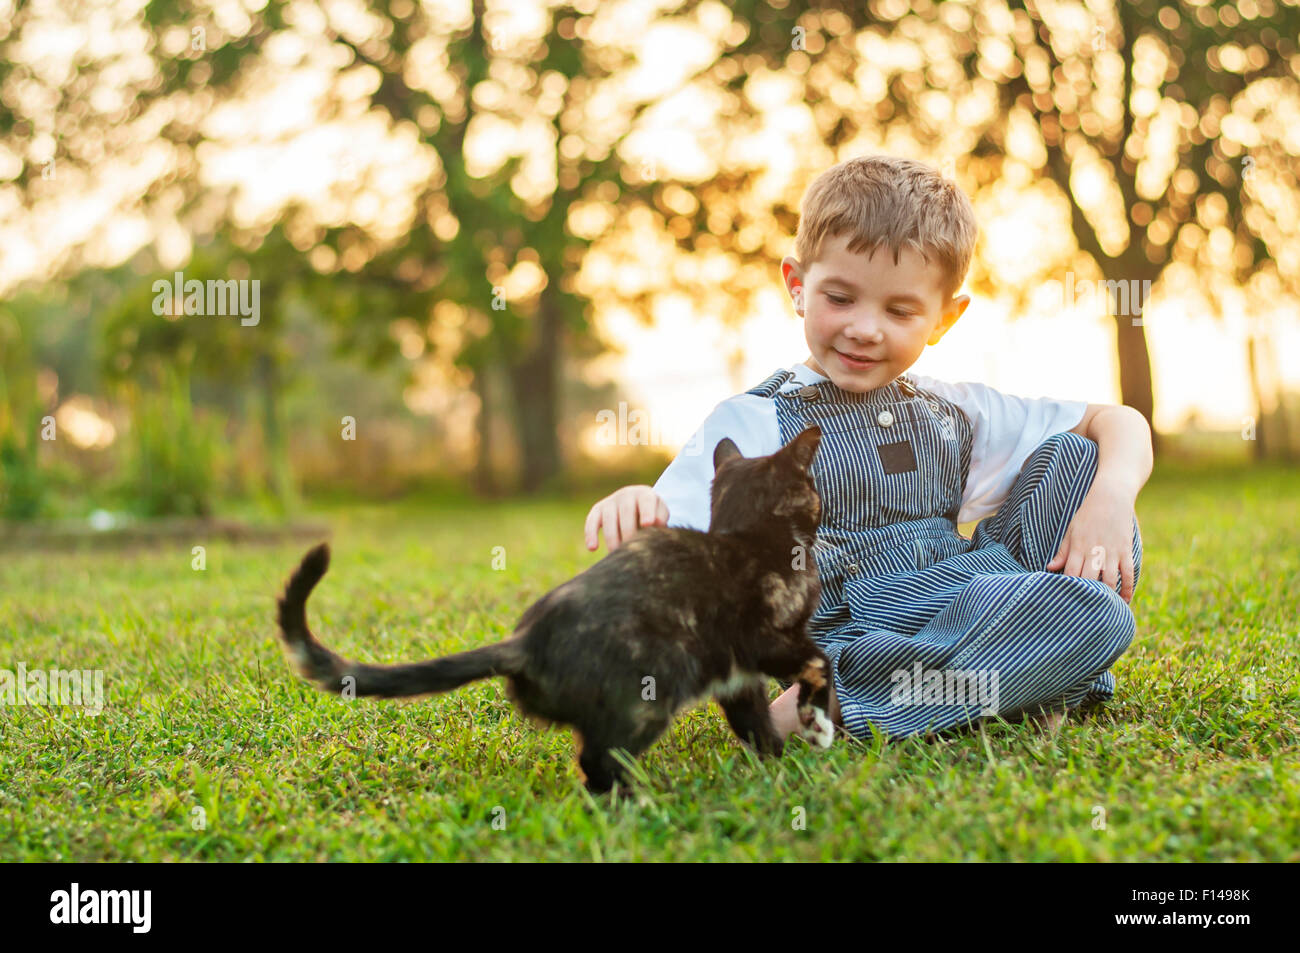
point(802, 448)
point(723, 452)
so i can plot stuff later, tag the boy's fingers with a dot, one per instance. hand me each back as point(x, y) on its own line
point(590, 527)
point(609, 523)
point(646, 509)
point(1058, 560)
point(1074, 565)
point(661, 511)
point(1126, 575)
point(627, 519)
point(1111, 575)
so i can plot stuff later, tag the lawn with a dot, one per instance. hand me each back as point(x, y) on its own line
point(210, 748)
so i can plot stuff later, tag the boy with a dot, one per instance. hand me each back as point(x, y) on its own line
point(925, 629)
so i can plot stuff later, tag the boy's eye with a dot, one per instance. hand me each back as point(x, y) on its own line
point(897, 312)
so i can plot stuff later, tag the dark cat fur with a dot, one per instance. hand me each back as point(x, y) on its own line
point(702, 613)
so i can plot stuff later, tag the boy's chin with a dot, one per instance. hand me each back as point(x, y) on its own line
point(859, 386)
point(859, 382)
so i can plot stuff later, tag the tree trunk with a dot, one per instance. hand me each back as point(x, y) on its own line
point(1261, 449)
point(1281, 445)
point(1134, 368)
point(535, 391)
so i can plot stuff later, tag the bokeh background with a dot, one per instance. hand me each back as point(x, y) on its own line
point(523, 248)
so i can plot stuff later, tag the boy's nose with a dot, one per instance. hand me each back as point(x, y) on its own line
point(868, 332)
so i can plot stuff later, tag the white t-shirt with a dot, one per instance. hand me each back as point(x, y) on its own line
point(1005, 431)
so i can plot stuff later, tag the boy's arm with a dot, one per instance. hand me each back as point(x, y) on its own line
point(1123, 440)
point(1099, 540)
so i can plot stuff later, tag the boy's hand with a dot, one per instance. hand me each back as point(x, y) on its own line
point(1098, 543)
point(624, 512)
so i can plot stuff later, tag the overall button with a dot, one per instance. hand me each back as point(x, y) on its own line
point(853, 567)
point(809, 392)
point(886, 419)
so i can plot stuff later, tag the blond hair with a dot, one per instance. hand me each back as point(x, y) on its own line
point(897, 203)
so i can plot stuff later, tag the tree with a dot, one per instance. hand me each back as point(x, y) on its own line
point(1168, 98)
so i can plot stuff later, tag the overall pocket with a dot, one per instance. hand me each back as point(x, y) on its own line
point(876, 465)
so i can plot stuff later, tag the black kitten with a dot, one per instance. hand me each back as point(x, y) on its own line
point(670, 617)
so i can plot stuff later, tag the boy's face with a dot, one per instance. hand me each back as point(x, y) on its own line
point(867, 319)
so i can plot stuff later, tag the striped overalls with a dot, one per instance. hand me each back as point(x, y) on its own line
point(927, 630)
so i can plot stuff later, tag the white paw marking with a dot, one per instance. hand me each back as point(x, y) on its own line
point(821, 732)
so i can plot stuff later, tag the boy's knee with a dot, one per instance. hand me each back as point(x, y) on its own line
point(1113, 626)
point(1106, 626)
point(1063, 464)
point(1070, 447)
point(1118, 632)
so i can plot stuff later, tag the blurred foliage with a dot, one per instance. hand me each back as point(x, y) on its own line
point(22, 488)
point(22, 485)
point(176, 458)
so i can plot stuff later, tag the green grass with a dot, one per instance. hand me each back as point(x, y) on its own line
point(202, 711)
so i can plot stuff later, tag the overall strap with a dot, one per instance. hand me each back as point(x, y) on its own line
point(773, 384)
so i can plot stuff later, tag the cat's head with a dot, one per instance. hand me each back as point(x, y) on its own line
point(759, 491)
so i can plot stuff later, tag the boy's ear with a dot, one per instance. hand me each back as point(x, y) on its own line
point(951, 312)
point(724, 451)
point(792, 272)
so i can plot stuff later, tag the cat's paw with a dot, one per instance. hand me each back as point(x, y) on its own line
point(817, 728)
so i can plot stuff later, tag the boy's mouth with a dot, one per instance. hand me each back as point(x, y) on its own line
point(855, 362)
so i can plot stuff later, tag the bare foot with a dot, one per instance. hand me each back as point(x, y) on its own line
point(1050, 720)
point(785, 712)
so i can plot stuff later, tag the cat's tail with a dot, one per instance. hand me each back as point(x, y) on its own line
point(335, 674)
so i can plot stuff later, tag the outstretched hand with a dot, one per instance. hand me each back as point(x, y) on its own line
point(621, 514)
point(1098, 543)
